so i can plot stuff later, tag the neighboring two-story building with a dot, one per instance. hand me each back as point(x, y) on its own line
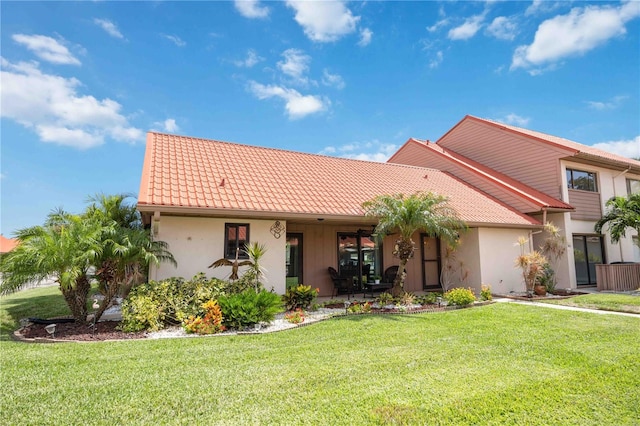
point(207, 198)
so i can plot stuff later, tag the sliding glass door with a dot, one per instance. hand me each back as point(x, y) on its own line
point(587, 252)
point(359, 257)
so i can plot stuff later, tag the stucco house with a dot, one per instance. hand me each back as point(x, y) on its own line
point(206, 198)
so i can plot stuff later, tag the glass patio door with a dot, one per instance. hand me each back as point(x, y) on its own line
point(359, 257)
point(293, 259)
point(587, 252)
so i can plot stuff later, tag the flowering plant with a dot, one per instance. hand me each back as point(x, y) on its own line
point(300, 296)
point(357, 308)
point(295, 316)
point(211, 323)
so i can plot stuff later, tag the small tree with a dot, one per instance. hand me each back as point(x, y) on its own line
point(406, 215)
point(64, 248)
point(554, 247)
point(532, 265)
point(622, 213)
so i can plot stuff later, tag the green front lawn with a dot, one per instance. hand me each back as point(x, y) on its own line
point(497, 364)
point(606, 302)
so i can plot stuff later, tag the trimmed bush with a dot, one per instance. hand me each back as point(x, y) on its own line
point(299, 297)
point(248, 308)
point(460, 296)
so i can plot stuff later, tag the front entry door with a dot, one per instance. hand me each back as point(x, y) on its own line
point(358, 257)
point(294, 259)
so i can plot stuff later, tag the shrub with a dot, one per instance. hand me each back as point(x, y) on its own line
point(141, 313)
point(407, 298)
point(299, 297)
point(153, 305)
point(385, 298)
point(485, 292)
point(249, 308)
point(460, 296)
point(429, 298)
point(357, 308)
point(295, 317)
point(210, 324)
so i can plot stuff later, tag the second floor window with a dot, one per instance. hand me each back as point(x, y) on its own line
point(584, 181)
point(236, 235)
point(633, 186)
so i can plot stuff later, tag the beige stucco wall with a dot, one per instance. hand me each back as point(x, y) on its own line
point(198, 242)
point(610, 183)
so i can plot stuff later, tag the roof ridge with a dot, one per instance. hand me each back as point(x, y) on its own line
point(271, 149)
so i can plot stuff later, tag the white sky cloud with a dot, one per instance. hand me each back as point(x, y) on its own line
point(295, 65)
point(296, 104)
point(251, 9)
point(441, 23)
point(332, 80)
point(365, 37)
point(437, 60)
point(250, 60)
point(324, 21)
point(573, 34)
point(175, 39)
point(614, 103)
point(46, 48)
point(468, 29)
point(503, 28)
point(169, 125)
point(367, 151)
point(50, 105)
point(514, 119)
point(627, 148)
point(109, 27)
point(542, 6)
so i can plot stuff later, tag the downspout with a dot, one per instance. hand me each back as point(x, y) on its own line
point(613, 182)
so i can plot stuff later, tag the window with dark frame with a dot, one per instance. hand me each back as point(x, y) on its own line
point(633, 186)
point(581, 180)
point(236, 235)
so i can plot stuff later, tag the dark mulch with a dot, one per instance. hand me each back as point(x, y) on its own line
point(80, 332)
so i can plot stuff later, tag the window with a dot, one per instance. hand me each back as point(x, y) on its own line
point(236, 235)
point(584, 181)
point(633, 186)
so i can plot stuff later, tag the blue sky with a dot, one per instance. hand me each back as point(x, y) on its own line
point(82, 82)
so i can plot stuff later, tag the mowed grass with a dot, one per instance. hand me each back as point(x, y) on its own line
point(497, 364)
point(606, 302)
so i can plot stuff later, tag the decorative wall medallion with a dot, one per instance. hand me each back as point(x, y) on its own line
point(277, 229)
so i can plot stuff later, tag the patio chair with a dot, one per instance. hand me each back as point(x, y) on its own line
point(340, 284)
point(390, 273)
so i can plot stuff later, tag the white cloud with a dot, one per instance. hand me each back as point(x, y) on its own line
point(169, 125)
point(436, 61)
point(50, 105)
point(576, 33)
point(367, 151)
point(109, 27)
point(175, 39)
point(295, 65)
point(627, 148)
point(514, 119)
point(503, 28)
point(332, 80)
point(296, 104)
point(365, 37)
point(542, 6)
point(251, 9)
point(611, 104)
point(46, 48)
point(324, 21)
point(441, 23)
point(251, 59)
point(468, 29)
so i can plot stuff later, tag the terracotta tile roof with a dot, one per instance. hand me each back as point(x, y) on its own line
point(7, 244)
point(184, 172)
point(530, 194)
point(575, 148)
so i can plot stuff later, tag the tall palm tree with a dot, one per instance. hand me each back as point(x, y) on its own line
point(64, 248)
point(622, 213)
point(128, 248)
point(405, 215)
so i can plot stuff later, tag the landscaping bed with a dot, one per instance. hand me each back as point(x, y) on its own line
point(556, 294)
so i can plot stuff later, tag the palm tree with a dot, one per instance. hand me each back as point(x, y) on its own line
point(64, 248)
point(623, 213)
point(405, 215)
point(128, 248)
